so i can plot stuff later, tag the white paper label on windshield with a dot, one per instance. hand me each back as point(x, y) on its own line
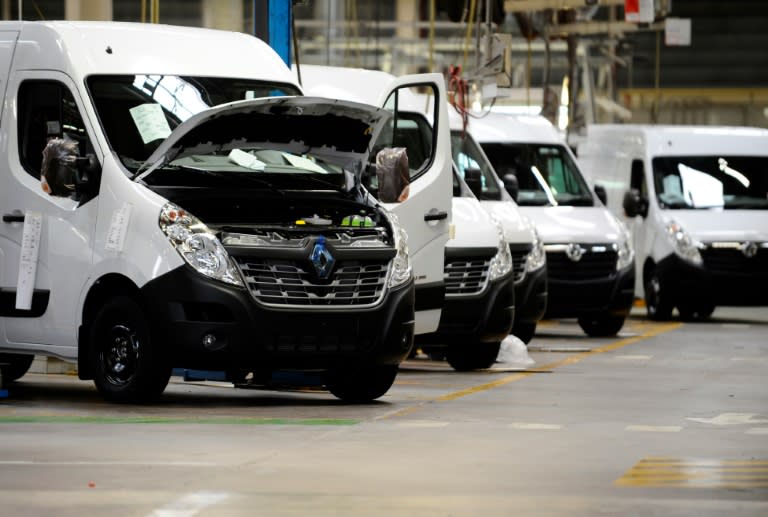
point(30, 248)
point(150, 121)
point(303, 163)
point(118, 228)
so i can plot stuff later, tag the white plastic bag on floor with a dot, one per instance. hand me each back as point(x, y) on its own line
point(513, 351)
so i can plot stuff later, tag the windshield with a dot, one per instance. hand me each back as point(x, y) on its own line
point(137, 112)
point(546, 173)
point(468, 155)
point(711, 181)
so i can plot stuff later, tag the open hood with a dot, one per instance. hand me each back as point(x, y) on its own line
point(341, 132)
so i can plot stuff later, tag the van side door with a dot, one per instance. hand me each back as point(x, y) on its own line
point(58, 228)
point(426, 213)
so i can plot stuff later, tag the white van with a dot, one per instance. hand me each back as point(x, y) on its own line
point(520, 233)
point(696, 201)
point(172, 233)
point(479, 306)
point(590, 260)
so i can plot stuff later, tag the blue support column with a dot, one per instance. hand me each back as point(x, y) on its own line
point(272, 24)
point(280, 28)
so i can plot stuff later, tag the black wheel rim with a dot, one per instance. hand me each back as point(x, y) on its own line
point(652, 291)
point(120, 354)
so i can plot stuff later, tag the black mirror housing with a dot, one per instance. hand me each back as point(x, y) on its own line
point(634, 204)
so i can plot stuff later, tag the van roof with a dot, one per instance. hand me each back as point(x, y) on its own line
point(502, 127)
point(680, 140)
point(86, 48)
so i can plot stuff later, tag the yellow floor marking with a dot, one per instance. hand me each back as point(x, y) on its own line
point(557, 364)
point(654, 330)
point(696, 473)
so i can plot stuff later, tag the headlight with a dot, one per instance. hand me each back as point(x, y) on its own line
point(401, 271)
point(624, 250)
point(501, 263)
point(198, 245)
point(626, 255)
point(537, 256)
point(682, 242)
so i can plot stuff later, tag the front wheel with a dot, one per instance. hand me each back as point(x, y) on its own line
point(657, 301)
point(361, 384)
point(472, 356)
point(524, 331)
point(14, 366)
point(601, 326)
point(127, 366)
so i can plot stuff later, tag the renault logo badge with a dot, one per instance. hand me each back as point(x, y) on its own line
point(749, 249)
point(321, 258)
point(574, 252)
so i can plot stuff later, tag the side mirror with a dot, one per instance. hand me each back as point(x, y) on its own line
point(87, 175)
point(512, 185)
point(474, 180)
point(392, 174)
point(601, 194)
point(634, 204)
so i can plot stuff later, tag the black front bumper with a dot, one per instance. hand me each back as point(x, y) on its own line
point(531, 296)
point(185, 307)
point(486, 317)
point(702, 285)
point(612, 295)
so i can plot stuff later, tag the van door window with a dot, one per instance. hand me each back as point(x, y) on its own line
point(47, 110)
point(637, 179)
point(410, 127)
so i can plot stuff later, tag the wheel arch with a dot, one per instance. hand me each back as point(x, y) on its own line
point(106, 287)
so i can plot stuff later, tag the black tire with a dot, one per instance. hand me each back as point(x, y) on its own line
point(361, 385)
point(14, 366)
point(691, 312)
point(524, 331)
point(127, 366)
point(658, 303)
point(472, 356)
point(601, 326)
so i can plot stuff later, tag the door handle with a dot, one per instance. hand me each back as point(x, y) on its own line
point(13, 218)
point(435, 215)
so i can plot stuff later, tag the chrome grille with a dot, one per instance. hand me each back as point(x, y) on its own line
point(286, 282)
point(466, 275)
point(598, 261)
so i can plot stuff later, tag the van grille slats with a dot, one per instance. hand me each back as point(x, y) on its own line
point(466, 275)
point(731, 260)
point(281, 282)
point(592, 265)
point(519, 255)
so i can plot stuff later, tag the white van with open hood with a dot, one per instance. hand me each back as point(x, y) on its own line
point(590, 260)
point(696, 201)
point(166, 206)
point(479, 305)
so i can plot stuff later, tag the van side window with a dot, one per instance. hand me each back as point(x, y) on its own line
point(637, 178)
point(47, 110)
